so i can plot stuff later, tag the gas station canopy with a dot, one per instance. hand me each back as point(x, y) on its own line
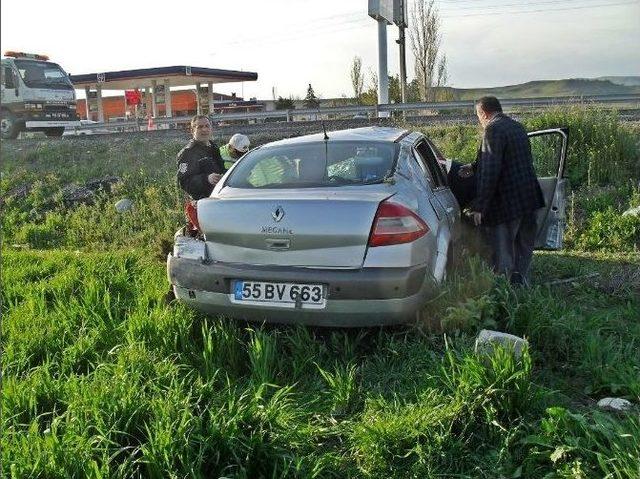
point(157, 83)
point(171, 76)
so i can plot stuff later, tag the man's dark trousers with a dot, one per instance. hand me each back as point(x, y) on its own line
point(512, 247)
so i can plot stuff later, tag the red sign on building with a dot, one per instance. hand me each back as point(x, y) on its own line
point(133, 97)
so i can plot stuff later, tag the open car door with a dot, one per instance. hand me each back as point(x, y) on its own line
point(549, 149)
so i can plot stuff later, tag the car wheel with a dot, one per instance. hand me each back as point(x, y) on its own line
point(9, 127)
point(451, 263)
point(54, 132)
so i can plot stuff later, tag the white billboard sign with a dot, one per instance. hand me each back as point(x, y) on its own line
point(400, 12)
point(381, 10)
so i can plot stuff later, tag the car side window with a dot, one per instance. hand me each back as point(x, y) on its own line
point(418, 170)
point(440, 160)
point(430, 163)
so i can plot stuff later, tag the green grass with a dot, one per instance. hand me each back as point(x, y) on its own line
point(103, 378)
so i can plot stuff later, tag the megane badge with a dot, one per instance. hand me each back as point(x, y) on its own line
point(278, 214)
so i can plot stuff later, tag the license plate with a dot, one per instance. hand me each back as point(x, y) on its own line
point(286, 295)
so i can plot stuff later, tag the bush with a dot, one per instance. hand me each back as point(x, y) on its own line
point(608, 230)
point(48, 234)
point(601, 149)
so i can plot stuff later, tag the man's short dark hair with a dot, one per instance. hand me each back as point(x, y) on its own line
point(195, 119)
point(490, 104)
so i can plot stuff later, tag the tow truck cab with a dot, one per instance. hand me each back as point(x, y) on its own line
point(37, 95)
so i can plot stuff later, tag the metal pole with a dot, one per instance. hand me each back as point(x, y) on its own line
point(167, 99)
point(210, 97)
point(403, 66)
point(87, 111)
point(383, 73)
point(100, 106)
point(154, 106)
point(198, 103)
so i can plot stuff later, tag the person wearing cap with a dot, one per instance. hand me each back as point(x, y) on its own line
point(238, 145)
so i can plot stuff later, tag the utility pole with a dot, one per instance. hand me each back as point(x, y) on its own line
point(383, 72)
point(382, 12)
point(400, 19)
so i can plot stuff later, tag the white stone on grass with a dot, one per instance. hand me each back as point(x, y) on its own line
point(487, 340)
point(632, 212)
point(614, 404)
point(125, 204)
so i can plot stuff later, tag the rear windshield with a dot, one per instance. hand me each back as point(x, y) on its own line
point(314, 165)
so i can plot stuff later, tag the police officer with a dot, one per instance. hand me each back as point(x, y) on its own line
point(200, 165)
point(238, 145)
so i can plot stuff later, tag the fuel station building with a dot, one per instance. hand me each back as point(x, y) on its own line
point(155, 98)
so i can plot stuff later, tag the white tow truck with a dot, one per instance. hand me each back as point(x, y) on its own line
point(37, 95)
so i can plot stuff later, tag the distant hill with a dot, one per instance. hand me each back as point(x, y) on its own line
point(620, 80)
point(542, 88)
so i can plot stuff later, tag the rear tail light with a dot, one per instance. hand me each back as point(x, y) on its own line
point(191, 213)
point(396, 224)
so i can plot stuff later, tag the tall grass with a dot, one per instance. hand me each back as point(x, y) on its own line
point(103, 379)
point(601, 150)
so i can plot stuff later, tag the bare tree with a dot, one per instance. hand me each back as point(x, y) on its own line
point(424, 33)
point(357, 78)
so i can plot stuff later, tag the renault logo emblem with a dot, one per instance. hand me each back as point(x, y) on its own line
point(278, 214)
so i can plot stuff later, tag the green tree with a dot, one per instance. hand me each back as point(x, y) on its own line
point(357, 78)
point(370, 95)
point(425, 36)
point(311, 100)
point(285, 103)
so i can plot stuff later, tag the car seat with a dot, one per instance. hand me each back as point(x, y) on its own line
point(372, 168)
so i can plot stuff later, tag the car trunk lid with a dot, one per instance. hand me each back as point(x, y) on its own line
point(319, 227)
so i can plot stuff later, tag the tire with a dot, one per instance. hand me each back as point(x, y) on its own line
point(10, 127)
point(452, 262)
point(53, 132)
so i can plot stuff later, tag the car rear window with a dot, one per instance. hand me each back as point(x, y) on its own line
point(312, 165)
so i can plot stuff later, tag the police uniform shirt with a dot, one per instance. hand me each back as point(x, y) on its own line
point(196, 162)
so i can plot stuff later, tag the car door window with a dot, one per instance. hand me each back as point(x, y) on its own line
point(419, 169)
point(546, 150)
point(430, 163)
point(441, 161)
point(549, 151)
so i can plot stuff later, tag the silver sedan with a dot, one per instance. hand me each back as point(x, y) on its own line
point(350, 229)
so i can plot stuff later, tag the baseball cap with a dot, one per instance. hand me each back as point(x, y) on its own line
point(240, 142)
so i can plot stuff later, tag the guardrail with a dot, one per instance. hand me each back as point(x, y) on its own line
point(370, 110)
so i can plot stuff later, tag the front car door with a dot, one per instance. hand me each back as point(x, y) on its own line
point(549, 150)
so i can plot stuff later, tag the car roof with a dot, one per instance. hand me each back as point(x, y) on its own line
point(367, 133)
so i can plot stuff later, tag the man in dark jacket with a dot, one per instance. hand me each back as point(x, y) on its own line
point(507, 191)
point(200, 165)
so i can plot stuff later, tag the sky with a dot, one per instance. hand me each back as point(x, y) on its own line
point(291, 43)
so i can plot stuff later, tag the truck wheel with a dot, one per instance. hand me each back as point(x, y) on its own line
point(54, 131)
point(9, 126)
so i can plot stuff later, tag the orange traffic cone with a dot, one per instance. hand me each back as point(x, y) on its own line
point(150, 124)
